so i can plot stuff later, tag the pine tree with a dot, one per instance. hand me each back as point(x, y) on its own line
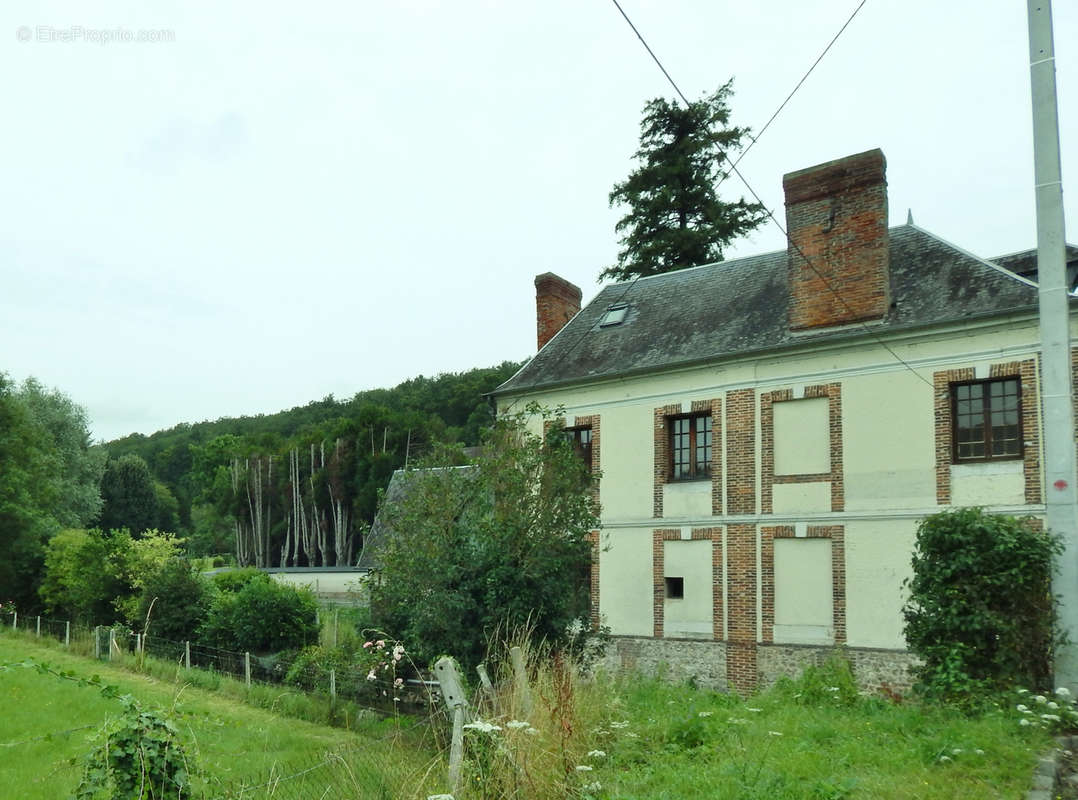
point(676, 219)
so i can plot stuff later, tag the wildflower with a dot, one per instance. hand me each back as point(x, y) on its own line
point(832, 688)
point(371, 676)
point(737, 721)
point(583, 768)
point(1041, 698)
point(368, 644)
point(531, 731)
point(704, 713)
point(632, 735)
point(956, 751)
point(440, 797)
point(399, 682)
point(1053, 705)
point(1023, 691)
point(979, 751)
point(1023, 721)
point(594, 786)
point(624, 724)
point(945, 759)
point(774, 733)
point(575, 628)
point(514, 724)
point(398, 652)
point(484, 727)
point(381, 643)
point(1063, 692)
point(754, 709)
point(1021, 707)
point(596, 754)
point(1050, 717)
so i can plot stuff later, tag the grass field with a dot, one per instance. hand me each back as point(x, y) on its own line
point(45, 722)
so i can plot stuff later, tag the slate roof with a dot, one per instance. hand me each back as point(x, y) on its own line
point(380, 531)
point(1024, 263)
point(733, 308)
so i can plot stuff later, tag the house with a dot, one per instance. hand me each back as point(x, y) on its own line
point(771, 429)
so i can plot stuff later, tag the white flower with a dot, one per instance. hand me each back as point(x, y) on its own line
point(531, 731)
point(1023, 691)
point(832, 688)
point(1050, 717)
point(1023, 721)
point(754, 709)
point(575, 628)
point(632, 735)
point(398, 652)
point(774, 733)
point(371, 676)
point(1022, 708)
point(1063, 692)
point(596, 754)
point(583, 768)
point(1041, 698)
point(737, 721)
point(979, 751)
point(1053, 705)
point(624, 724)
point(956, 751)
point(704, 713)
point(440, 797)
point(514, 724)
point(594, 786)
point(484, 727)
point(944, 759)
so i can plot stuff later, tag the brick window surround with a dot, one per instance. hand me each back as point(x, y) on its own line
point(836, 533)
point(662, 417)
point(592, 422)
point(593, 536)
point(659, 538)
point(1026, 372)
point(768, 478)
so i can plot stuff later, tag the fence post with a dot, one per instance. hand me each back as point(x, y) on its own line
point(138, 643)
point(453, 692)
point(67, 633)
point(97, 641)
point(335, 613)
point(520, 681)
point(38, 633)
point(247, 668)
point(15, 621)
point(187, 654)
point(332, 687)
point(112, 641)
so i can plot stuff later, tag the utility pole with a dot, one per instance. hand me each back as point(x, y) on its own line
point(1057, 403)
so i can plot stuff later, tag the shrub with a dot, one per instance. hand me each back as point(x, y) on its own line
point(980, 613)
point(263, 616)
point(236, 579)
point(180, 599)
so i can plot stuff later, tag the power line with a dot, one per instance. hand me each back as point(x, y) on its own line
point(804, 77)
point(770, 215)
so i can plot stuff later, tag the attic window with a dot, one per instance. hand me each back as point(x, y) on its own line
point(614, 315)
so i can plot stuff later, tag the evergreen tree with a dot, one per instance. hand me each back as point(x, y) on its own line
point(675, 218)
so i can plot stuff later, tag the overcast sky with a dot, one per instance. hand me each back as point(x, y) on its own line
point(288, 201)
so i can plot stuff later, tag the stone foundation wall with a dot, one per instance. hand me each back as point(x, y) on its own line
point(704, 662)
point(679, 660)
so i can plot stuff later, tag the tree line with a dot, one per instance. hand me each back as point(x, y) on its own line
point(296, 488)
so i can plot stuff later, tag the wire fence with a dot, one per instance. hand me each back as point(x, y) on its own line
point(378, 692)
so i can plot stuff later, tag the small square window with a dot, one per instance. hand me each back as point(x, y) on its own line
point(986, 420)
point(675, 588)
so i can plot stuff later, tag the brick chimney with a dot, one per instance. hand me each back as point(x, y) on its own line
point(836, 214)
point(556, 302)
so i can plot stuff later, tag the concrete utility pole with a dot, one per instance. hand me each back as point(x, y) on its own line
point(1057, 405)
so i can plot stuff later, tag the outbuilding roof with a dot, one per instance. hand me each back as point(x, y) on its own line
point(733, 308)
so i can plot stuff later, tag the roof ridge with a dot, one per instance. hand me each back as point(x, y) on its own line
point(1002, 270)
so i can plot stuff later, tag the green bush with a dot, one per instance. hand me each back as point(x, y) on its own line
point(236, 579)
point(263, 616)
point(981, 613)
point(180, 597)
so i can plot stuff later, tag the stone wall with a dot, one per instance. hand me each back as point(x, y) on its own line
point(704, 662)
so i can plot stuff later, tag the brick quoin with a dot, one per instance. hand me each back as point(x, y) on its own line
point(837, 535)
point(741, 619)
point(658, 573)
point(594, 588)
point(741, 452)
point(836, 216)
point(556, 302)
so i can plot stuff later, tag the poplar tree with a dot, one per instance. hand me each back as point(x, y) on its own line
point(675, 218)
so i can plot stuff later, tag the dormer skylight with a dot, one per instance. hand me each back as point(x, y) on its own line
point(615, 315)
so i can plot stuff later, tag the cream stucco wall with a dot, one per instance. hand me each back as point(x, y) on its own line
point(802, 437)
point(988, 484)
point(803, 498)
point(690, 499)
point(877, 562)
point(803, 592)
point(625, 582)
point(626, 483)
point(888, 435)
point(689, 617)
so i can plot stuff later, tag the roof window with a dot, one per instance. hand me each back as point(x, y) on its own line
point(615, 315)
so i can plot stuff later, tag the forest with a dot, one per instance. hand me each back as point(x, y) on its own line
point(295, 488)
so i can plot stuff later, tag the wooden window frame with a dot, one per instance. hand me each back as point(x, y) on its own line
point(581, 448)
point(987, 419)
point(694, 474)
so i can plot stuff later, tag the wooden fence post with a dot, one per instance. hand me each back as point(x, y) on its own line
point(247, 668)
point(187, 654)
point(112, 641)
point(487, 686)
point(521, 689)
point(15, 622)
point(38, 626)
point(332, 687)
point(67, 633)
point(453, 693)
